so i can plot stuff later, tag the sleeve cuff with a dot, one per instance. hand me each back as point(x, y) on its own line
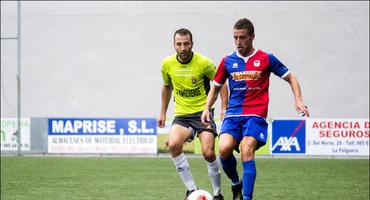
point(217, 84)
point(286, 74)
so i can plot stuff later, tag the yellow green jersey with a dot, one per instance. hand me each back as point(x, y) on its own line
point(190, 82)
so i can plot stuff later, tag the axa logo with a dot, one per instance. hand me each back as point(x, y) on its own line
point(286, 144)
point(288, 136)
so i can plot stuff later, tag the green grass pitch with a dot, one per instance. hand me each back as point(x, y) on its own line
point(155, 178)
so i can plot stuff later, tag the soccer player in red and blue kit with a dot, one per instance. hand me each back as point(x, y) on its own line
point(248, 71)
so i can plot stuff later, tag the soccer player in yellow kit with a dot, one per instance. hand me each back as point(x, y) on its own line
point(187, 75)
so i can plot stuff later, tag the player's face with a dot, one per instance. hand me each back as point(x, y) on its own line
point(183, 46)
point(243, 41)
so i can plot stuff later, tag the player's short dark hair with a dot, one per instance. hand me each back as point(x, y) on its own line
point(182, 32)
point(244, 23)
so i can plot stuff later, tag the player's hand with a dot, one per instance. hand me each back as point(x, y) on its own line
point(161, 121)
point(205, 118)
point(302, 109)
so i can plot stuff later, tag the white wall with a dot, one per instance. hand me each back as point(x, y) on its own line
point(102, 59)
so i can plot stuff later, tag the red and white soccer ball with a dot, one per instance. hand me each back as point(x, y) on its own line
point(200, 195)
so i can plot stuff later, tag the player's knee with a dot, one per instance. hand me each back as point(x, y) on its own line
point(247, 153)
point(225, 151)
point(174, 147)
point(209, 155)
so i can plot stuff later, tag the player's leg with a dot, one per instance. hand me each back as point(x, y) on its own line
point(228, 160)
point(227, 144)
point(207, 140)
point(248, 147)
point(177, 138)
point(255, 135)
point(230, 138)
point(207, 135)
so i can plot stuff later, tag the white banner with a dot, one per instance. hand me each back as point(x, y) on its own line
point(130, 144)
point(8, 131)
point(337, 137)
point(102, 135)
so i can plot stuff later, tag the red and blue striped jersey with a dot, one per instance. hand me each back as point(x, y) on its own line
point(248, 80)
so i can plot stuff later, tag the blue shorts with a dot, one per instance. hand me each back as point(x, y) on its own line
point(242, 126)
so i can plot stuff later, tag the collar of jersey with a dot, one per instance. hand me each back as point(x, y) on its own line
point(246, 58)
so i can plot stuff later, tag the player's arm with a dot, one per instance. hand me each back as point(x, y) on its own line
point(211, 99)
point(221, 88)
point(166, 97)
point(218, 85)
point(224, 94)
point(165, 94)
point(294, 84)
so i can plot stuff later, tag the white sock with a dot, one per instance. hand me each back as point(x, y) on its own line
point(215, 174)
point(183, 168)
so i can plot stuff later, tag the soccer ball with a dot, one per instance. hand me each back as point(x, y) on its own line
point(200, 195)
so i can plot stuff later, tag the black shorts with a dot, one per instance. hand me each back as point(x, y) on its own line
point(193, 122)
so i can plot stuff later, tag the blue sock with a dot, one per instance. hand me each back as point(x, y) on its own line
point(229, 166)
point(249, 177)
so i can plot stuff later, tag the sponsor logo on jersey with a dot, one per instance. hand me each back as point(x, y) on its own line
point(235, 65)
point(243, 88)
point(188, 92)
point(246, 75)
